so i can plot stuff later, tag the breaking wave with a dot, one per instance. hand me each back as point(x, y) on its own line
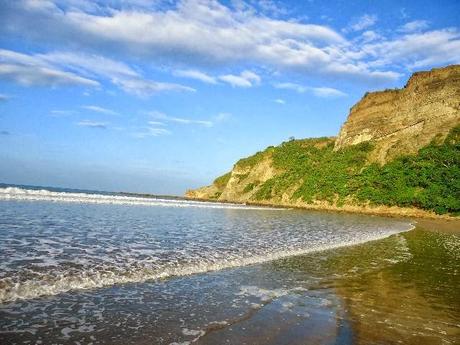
point(15, 193)
point(47, 249)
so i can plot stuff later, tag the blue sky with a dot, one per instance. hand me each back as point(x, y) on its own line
point(160, 96)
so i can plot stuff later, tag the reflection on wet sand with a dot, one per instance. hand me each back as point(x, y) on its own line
point(413, 301)
point(400, 290)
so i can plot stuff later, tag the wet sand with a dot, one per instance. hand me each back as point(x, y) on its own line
point(451, 226)
point(319, 206)
point(399, 290)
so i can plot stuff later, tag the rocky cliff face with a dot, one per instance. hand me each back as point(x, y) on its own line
point(394, 122)
point(241, 183)
point(403, 120)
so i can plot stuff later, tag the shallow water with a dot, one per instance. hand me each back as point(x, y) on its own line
point(104, 273)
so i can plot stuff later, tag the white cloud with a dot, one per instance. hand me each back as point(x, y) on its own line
point(370, 35)
point(327, 92)
point(64, 68)
point(161, 116)
point(144, 88)
point(317, 91)
point(291, 86)
point(194, 32)
point(161, 119)
point(62, 113)
point(92, 124)
point(362, 23)
point(245, 79)
point(89, 64)
point(279, 101)
point(98, 109)
point(152, 131)
point(158, 131)
point(416, 50)
point(31, 70)
point(153, 128)
point(156, 123)
point(194, 74)
point(4, 98)
point(414, 26)
point(41, 76)
point(197, 33)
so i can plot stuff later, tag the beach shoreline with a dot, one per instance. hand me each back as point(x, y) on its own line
point(381, 210)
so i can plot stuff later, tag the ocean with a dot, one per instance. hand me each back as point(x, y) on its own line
point(85, 267)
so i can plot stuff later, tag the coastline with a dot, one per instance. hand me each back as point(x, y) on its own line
point(332, 296)
point(381, 210)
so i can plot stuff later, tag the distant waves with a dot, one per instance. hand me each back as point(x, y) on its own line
point(15, 193)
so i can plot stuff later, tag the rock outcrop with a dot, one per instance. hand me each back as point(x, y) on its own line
point(401, 121)
point(336, 173)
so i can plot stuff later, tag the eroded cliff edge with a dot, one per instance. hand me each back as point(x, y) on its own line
point(397, 153)
point(401, 121)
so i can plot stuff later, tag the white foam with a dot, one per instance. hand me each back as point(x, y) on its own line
point(264, 295)
point(14, 193)
point(96, 279)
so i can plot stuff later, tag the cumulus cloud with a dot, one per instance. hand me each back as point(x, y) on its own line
point(195, 32)
point(203, 33)
point(279, 101)
point(416, 50)
point(245, 79)
point(92, 124)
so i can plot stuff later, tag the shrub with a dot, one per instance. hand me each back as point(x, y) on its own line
point(429, 180)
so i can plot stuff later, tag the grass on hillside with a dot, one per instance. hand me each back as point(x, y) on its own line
point(429, 180)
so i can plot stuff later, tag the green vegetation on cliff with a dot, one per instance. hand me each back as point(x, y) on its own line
point(397, 148)
point(310, 170)
point(322, 173)
point(222, 181)
point(429, 180)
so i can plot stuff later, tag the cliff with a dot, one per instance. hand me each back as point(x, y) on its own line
point(404, 120)
point(398, 152)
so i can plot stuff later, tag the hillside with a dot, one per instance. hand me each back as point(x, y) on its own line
point(401, 121)
point(398, 152)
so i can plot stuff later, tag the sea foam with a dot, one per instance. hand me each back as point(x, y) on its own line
point(15, 193)
point(47, 249)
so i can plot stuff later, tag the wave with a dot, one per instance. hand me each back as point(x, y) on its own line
point(21, 194)
point(94, 278)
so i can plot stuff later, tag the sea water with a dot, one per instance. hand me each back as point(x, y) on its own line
point(86, 267)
